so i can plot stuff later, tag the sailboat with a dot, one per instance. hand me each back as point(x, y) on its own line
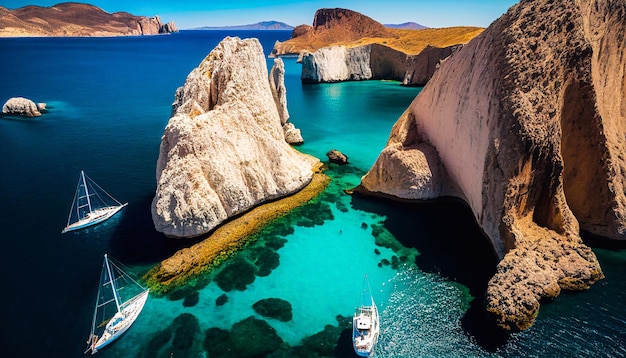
point(365, 323)
point(118, 304)
point(91, 205)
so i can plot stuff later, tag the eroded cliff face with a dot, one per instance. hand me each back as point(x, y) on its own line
point(224, 149)
point(340, 63)
point(528, 122)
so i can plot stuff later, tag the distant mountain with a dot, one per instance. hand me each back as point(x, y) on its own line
point(76, 19)
point(407, 26)
point(263, 25)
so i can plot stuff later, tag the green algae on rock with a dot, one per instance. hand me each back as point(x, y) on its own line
point(190, 263)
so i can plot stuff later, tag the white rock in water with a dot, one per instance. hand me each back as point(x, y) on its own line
point(20, 106)
point(224, 151)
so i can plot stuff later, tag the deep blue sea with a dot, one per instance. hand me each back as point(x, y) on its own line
point(109, 100)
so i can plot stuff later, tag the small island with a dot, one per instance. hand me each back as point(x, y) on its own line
point(73, 19)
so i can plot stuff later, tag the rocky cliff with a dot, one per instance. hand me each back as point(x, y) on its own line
point(224, 150)
point(77, 19)
point(339, 63)
point(526, 123)
point(421, 67)
point(343, 27)
point(343, 45)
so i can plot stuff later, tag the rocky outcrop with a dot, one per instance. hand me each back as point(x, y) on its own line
point(20, 106)
point(331, 26)
point(338, 63)
point(528, 120)
point(337, 157)
point(421, 67)
point(76, 19)
point(279, 92)
point(224, 151)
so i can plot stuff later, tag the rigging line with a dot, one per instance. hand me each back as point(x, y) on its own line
point(98, 186)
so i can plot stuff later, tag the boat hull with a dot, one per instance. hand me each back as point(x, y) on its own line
point(365, 330)
point(102, 215)
point(121, 322)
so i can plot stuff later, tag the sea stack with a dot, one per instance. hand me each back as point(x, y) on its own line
point(24, 107)
point(224, 150)
point(526, 123)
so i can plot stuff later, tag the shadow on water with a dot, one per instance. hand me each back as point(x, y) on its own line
point(136, 241)
point(452, 245)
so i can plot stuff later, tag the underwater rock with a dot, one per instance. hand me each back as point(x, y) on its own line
point(274, 308)
point(217, 343)
point(236, 275)
point(186, 326)
point(267, 260)
point(337, 157)
point(251, 337)
point(191, 299)
point(221, 300)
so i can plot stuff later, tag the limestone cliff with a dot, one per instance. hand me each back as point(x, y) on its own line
point(224, 149)
point(339, 63)
point(279, 92)
point(77, 19)
point(528, 121)
point(343, 45)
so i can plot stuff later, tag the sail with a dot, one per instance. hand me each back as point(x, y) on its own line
point(118, 303)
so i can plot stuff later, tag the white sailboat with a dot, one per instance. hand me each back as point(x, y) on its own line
point(91, 205)
point(118, 304)
point(365, 323)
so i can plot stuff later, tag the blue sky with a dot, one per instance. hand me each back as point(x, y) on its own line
point(195, 13)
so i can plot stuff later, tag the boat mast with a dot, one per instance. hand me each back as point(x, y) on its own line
point(117, 299)
point(82, 173)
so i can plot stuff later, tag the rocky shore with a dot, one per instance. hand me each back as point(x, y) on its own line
point(175, 272)
point(526, 124)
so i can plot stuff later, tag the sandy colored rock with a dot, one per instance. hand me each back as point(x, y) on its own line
point(20, 106)
point(529, 121)
point(224, 151)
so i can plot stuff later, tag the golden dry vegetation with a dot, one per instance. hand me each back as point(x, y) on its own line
point(410, 42)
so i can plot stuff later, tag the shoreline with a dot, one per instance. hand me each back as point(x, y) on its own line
point(190, 263)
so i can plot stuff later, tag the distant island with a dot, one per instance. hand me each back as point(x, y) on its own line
point(407, 26)
point(77, 20)
point(263, 25)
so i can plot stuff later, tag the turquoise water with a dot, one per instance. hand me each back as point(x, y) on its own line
point(109, 101)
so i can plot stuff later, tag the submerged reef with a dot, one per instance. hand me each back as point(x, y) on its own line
point(274, 308)
point(189, 264)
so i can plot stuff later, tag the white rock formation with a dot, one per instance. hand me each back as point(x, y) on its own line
point(224, 150)
point(279, 92)
point(328, 64)
point(367, 62)
point(20, 106)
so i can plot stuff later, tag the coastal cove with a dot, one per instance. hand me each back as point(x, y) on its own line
point(109, 100)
